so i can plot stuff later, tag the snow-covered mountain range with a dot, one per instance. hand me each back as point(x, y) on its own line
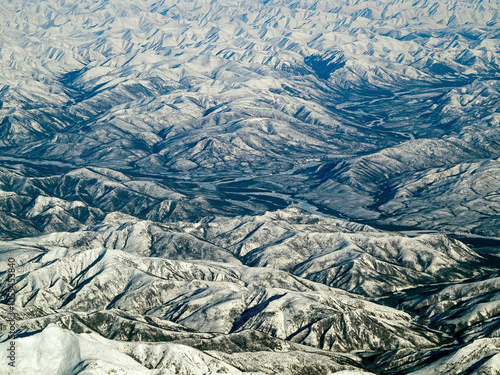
point(250, 186)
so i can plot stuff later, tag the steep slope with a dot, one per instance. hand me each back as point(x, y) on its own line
point(343, 254)
point(211, 297)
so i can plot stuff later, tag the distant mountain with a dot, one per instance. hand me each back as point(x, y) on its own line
point(251, 187)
